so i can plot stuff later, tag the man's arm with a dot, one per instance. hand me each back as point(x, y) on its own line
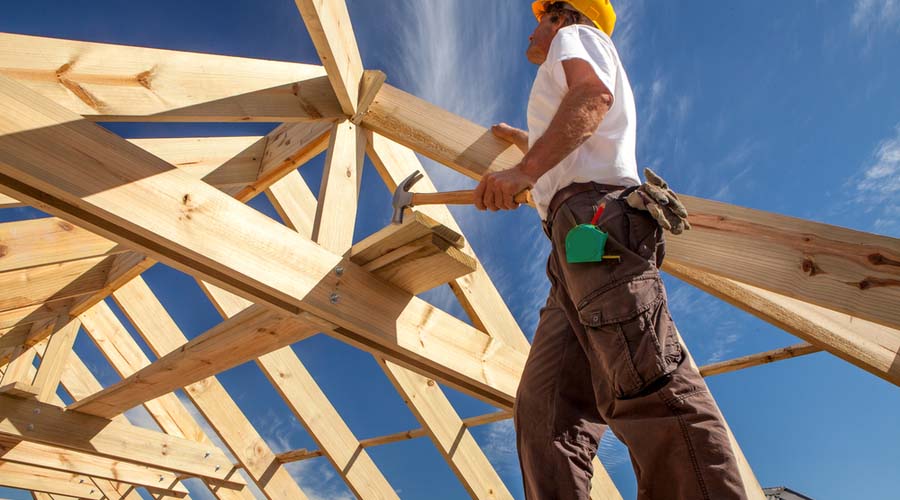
point(580, 113)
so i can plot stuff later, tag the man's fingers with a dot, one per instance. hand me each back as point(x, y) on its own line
point(658, 214)
point(479, 194)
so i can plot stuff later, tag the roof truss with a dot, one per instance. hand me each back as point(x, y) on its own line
point(122, 205)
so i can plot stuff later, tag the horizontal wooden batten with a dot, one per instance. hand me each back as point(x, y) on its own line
point(107, 82)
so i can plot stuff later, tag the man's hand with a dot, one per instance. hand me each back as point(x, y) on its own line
point(517, 137)
point(497, 190)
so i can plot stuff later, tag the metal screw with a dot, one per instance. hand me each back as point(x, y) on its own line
point(339, 271)
point(207, 455)
point(36, 411)
point(218, 467)
point(160, 479)
point(80, 481)
point(335, 298)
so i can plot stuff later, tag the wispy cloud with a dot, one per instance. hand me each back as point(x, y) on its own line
point(319, 480)
point(877, 185)
point(140, 417)
point(875, 14)
point(499, 445)
point(715, 327)
point(612, 452)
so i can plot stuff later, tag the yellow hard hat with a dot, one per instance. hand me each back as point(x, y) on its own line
point(601, 12)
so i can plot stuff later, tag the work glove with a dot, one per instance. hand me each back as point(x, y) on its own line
point(655, 197)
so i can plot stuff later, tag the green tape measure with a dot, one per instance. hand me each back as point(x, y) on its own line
point(585, 243)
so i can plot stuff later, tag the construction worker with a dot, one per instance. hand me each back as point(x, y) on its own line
point(606, 351)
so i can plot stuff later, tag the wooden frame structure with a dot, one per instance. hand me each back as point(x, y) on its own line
point(118, 206)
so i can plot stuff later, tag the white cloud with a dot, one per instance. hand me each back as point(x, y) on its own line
point(612, 452)
point(871, 14)
point(877, 185)
point(318, 479)
point(500, 445)
point(140, 417)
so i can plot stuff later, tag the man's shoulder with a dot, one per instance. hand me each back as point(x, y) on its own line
point(581, 34)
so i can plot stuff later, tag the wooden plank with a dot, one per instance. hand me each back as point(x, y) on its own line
point(37, 242)
point(73, 462)
point(48, 424)
point(79, 382)
point(19, 390)
point(28, 477)
point(107, 82)
point(340, 186)
point(237, 340)
point(758, 359)
point(331, 32)
point(163, 336)
point(136, 198)
point(286, 147)
point(219, 161)
point(475, 292)
point(398, 255)
point(840, 269)
point(37, 285)
point(431, 407)
point(9, 202)
point(20, 365)
point(868, 345)
point(59, 347)
point(294, 203)
point(311, 407)
point(448, 432)
point(372, 81)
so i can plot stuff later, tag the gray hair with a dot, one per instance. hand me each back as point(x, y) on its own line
point(568, 14)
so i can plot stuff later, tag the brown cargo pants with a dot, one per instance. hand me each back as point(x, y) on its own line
point(606, 352)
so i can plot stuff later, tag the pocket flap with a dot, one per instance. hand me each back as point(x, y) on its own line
point(622, 301)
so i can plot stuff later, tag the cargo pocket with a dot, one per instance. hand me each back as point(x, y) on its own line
point(632, 334)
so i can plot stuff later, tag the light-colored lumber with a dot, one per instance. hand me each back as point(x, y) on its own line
point(413, 256)
point(331, 32)
point(19, 390)
point(21, 364)
point(9, 202)
point(431, 407)
point(73, 462)
point(137, 198)
point(312, 408)
point(29, 477)
point(758, 359)
point(372, 81)
point(27, 287)
point(59, 347)
point(79, 383)
point(163, 336)
point(868, 345)
point(475, 291)
point(107, 82)
point(49, 424)
point(37, 242)
point(219, 161)
point(287, 147)
point(340, 186)
point(294, 202)
point(246, 336)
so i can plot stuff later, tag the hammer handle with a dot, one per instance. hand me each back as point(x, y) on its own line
point(460, 198)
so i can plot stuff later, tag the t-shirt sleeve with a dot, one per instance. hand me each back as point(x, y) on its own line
point(576, 43)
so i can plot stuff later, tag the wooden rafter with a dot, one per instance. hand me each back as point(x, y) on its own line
point(106, 82)
point(159, 331)
point(163, 202)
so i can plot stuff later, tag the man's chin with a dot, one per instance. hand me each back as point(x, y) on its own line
point(535, 57)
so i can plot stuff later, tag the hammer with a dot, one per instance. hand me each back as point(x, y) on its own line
point(404, 199)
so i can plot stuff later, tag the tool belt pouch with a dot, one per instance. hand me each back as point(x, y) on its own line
point(585, 243)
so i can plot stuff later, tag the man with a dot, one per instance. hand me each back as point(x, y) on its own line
point(606, 351)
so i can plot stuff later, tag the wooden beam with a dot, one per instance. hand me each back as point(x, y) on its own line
point(73, 462)
point(39, 242)
point(311, 407)
point(475, 292)
point(414, 256)
point(105, 82)
point(286, 147)
point(28, 287)
point(868, 345)
point(219, 161)
point(294, 203)
point(59, 347)
point(758, 359)
point(329, 27)
point(134, 197)
point(832, 267)
point(154, 324)
point(79, 382)
point(29, 477)
point(237, 340)
point(43, 423)
point(431, 407)
point(340, 186)
point(9, 202)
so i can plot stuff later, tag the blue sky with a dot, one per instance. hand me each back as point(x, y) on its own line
point(790, 107)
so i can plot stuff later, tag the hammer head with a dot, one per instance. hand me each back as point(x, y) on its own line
point(402, 196)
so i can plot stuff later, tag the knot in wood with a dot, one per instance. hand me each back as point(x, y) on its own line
point(809, 267)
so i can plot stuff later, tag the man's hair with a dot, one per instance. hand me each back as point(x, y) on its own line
point(566, 13)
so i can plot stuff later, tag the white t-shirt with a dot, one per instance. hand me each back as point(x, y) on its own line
point(608, 157)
